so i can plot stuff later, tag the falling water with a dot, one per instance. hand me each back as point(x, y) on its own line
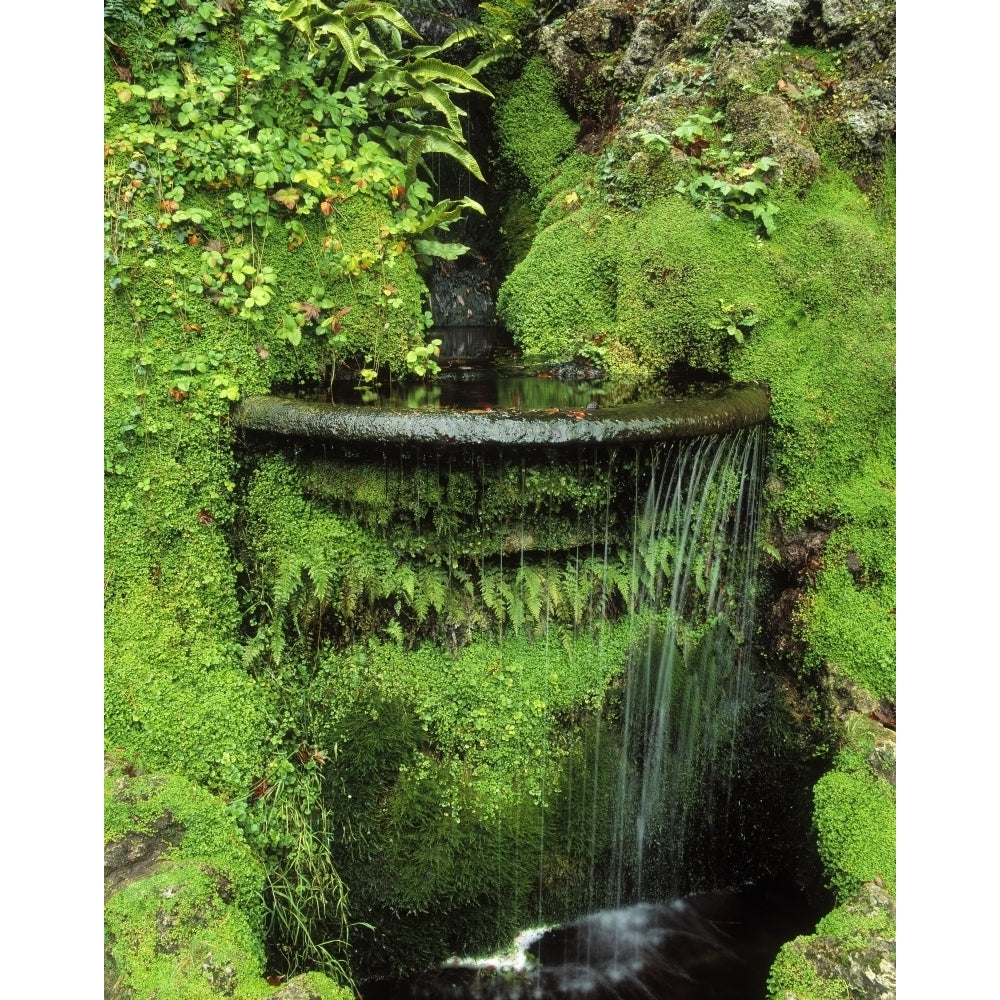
point(694, 557)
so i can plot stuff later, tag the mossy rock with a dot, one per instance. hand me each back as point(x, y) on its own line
point(184, 911)
point(852, 955)
point(855, 811)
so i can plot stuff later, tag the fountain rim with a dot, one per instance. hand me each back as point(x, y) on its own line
point(735, 405)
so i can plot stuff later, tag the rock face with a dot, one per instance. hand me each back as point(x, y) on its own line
point(462, 293)
point(607, 51)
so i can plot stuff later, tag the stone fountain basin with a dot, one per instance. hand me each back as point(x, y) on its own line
point(572, 413)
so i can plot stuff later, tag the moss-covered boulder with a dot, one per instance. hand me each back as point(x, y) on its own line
point(184, 908)
point(852, 955)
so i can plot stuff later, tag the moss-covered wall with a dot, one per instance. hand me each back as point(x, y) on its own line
point(231, 267)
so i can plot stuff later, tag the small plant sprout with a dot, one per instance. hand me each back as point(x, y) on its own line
point(737, 321)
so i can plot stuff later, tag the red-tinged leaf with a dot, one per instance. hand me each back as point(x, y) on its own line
point(325, 207)
point(205, 517)
point(193, 240)
point(169, 205)
point(260, 788)
point(178, 394)
point(310, 310)
point(343, 312)
point(276, 980)
point(389, 290)
point(289, 197)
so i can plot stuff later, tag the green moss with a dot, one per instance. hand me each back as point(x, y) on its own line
point(173, 698)
point(192, 927)
point(133, 804)
point(829, 354)
point(794, 976)
point(646, 285)
point(679, 263)
point(854, 928)
point(172, 937)
point(563, 294)
point(534, 131)
point(855, 814)
point(853, 630)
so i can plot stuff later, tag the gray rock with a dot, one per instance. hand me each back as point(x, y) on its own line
point(775, 18)
point(642, 52)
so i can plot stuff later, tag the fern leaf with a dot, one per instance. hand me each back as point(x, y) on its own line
point(414, 152)
point(365, 10)
point(337, 27)
point(439, 71)
point(463, 34)
point(446, 251)
point(438, 140)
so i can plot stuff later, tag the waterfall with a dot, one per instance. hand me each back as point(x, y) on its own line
point(694, 554)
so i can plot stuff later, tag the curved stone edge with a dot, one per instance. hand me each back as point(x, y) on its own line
point(735, 406)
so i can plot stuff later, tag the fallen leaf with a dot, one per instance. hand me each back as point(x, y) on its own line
point(205, 517)
point(178, 394)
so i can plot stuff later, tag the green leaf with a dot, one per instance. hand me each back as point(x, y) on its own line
point(290, 331)
point(447, 251)
point(260, 295)
point(437, 140)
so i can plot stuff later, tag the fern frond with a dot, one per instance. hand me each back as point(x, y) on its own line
point(438, 140)
point(438, 71)
point(365, 10)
